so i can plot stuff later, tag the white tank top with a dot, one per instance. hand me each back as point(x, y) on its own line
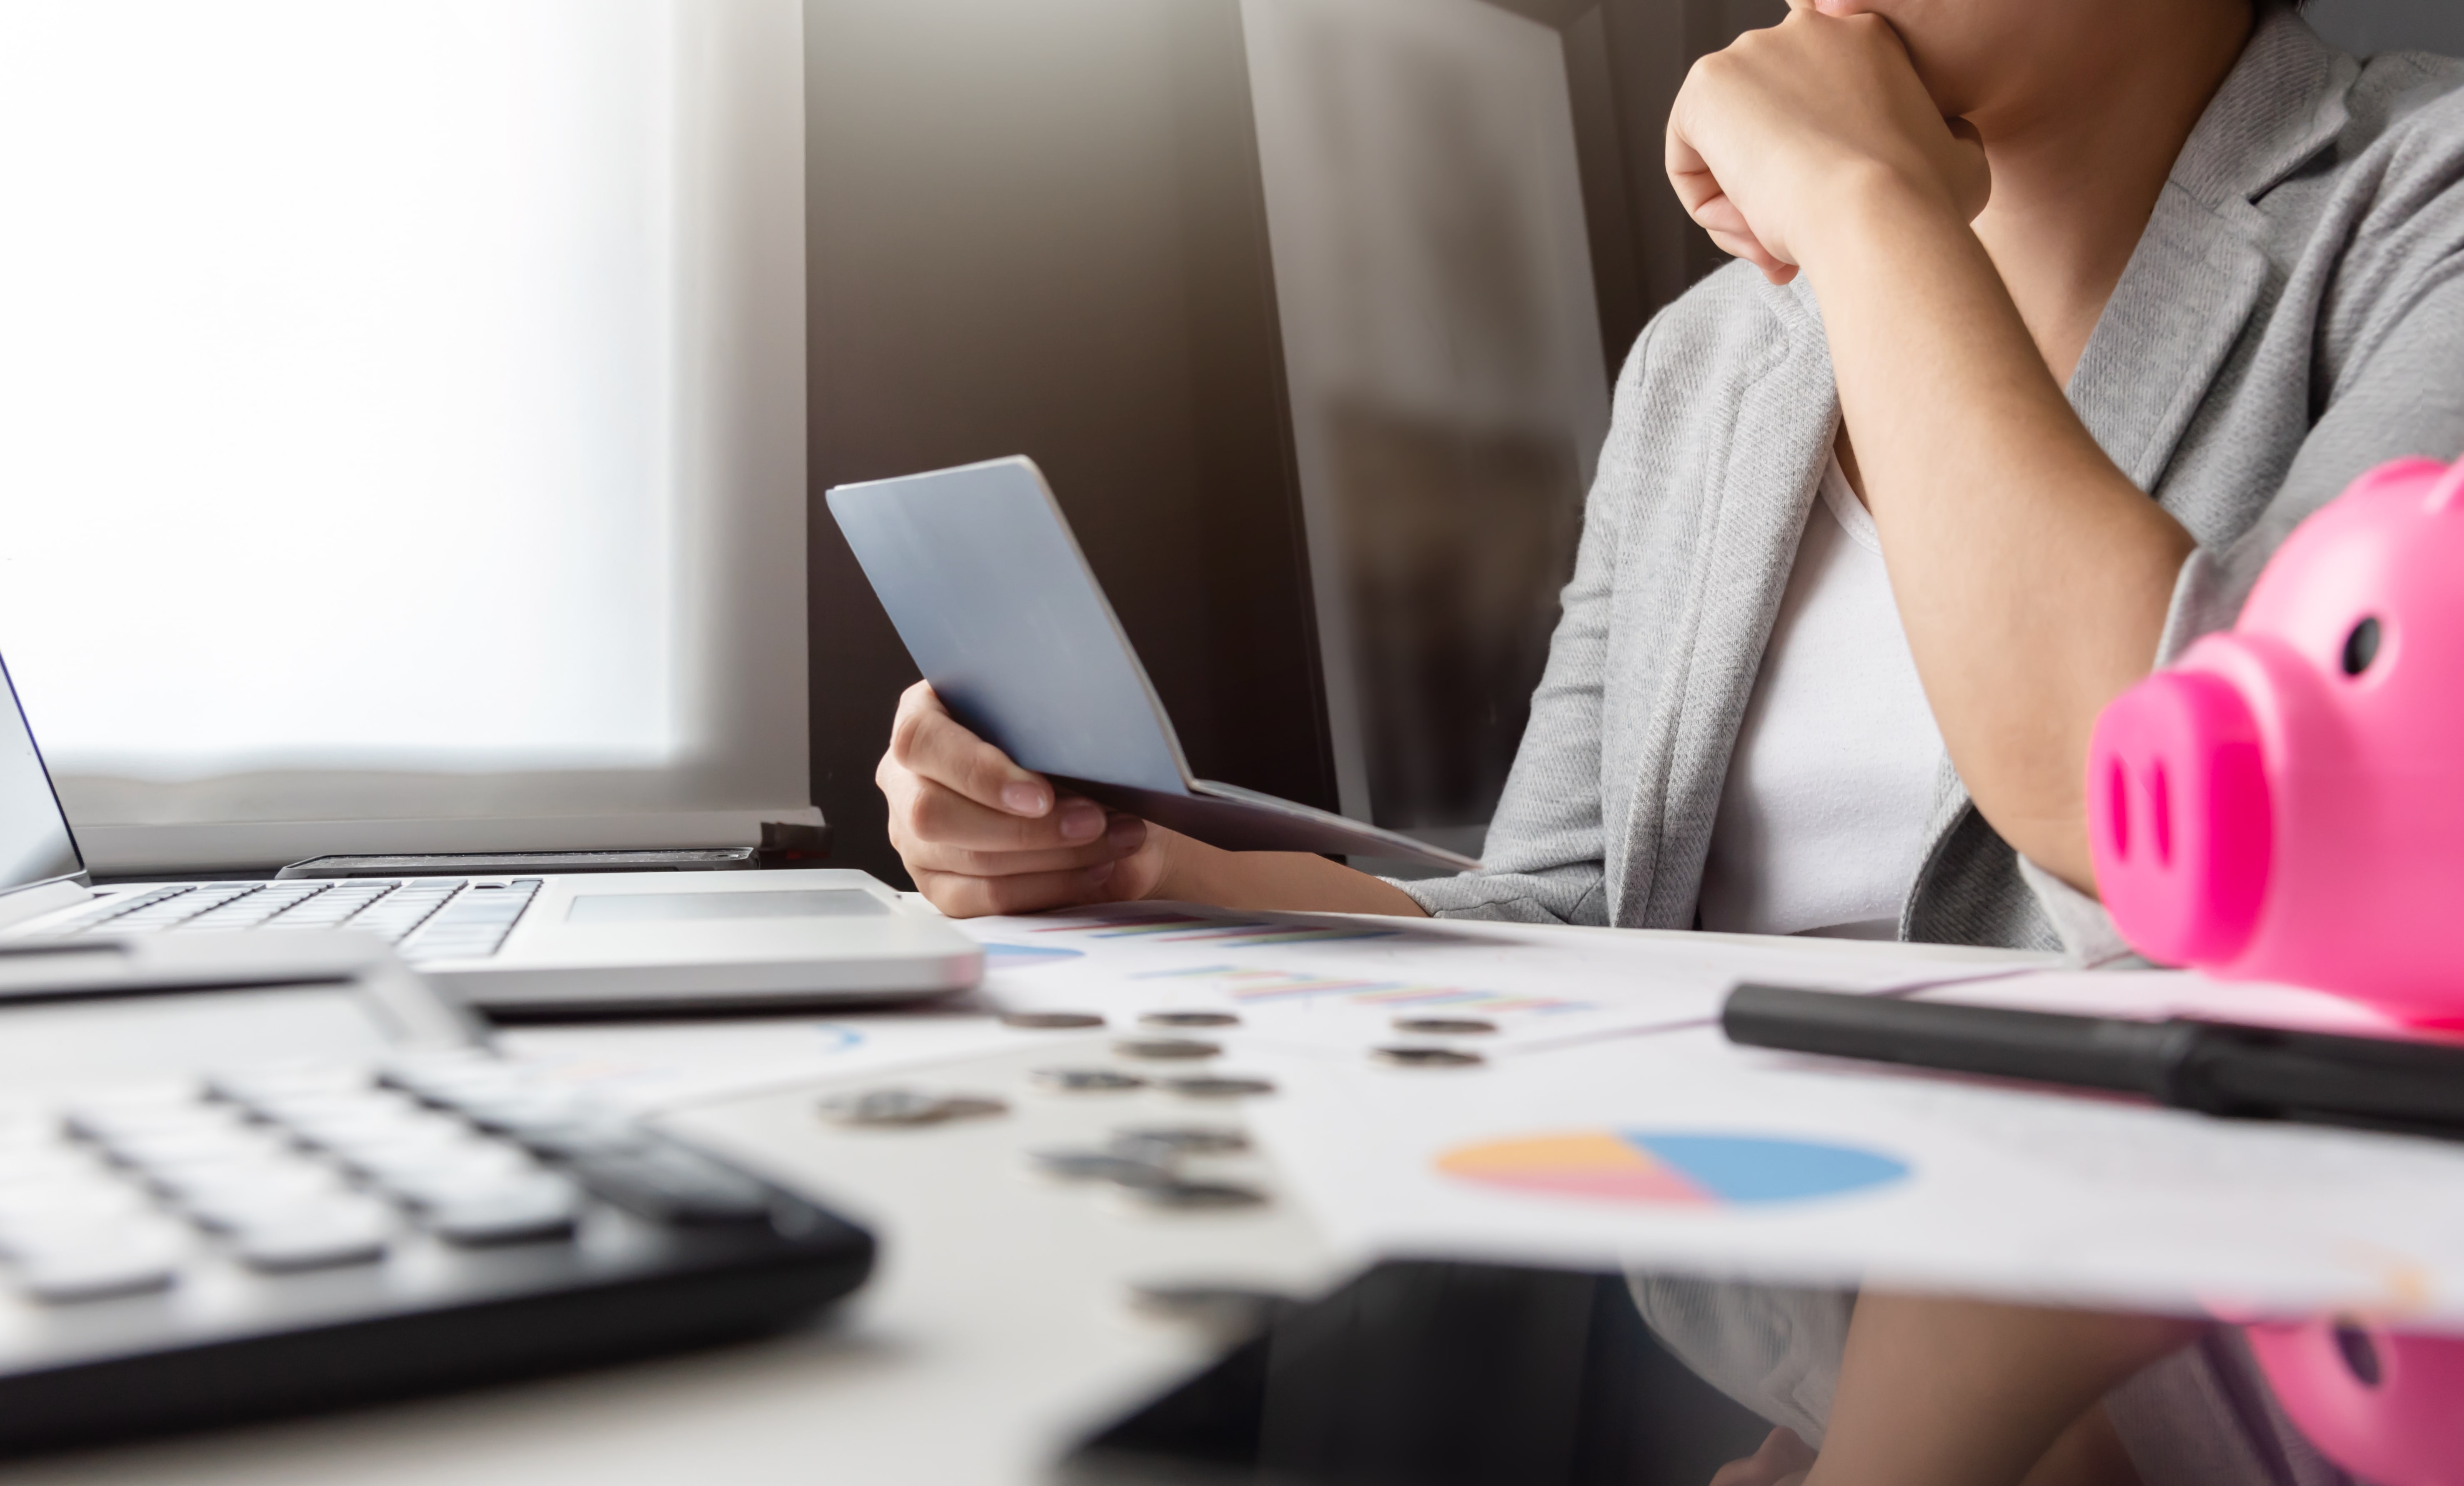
point(1821, 822)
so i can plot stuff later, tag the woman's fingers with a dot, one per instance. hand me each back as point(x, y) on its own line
point(981, 835)
point(1123, 835)
point(927, 741)
point(962, 896)
point(925, 810)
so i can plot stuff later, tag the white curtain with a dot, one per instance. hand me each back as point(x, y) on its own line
point(402, 421)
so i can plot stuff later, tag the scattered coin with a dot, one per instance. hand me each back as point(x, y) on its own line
point(1189, 1196)
point(1231, 1313)
point(1166, 1048)
point(1427, 1056)
point(1097, 1166)
point(1445, 1026)
point(905, 1106)
point(1051, 1021)
point(973, 1106)
point(1190, 1019)
point(1085, 1080)
point(1184, 1139)
point(1218, 1086)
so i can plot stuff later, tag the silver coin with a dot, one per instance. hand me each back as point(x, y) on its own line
point(1168, 1049)
point(1218, 1086)
point(1182, 1140)
point(1085, 1080)
point(1097, 1166)
point(1189, 1196)
point(1445, 1026)
point(1050, 1022)
point(906, 1107)
point(1190, 1019)
point(1427, 1056)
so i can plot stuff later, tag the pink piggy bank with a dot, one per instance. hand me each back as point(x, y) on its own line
point(2381, 1404)
point(2286, 802)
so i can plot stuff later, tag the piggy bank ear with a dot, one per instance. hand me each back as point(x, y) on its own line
point(2448, 491)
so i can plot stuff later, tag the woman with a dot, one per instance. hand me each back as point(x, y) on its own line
point(2233, 245)
point(2008, 269)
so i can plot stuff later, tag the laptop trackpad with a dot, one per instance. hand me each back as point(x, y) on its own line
point(669, 907)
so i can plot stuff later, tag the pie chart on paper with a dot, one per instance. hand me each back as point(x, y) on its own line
point(1671, 1168)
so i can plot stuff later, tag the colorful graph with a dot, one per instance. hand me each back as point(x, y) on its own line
point(1024, 955)
point(1232, 932)
point(1248, 986)
point(1668, 1168)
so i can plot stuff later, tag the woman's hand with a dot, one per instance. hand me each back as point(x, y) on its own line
point(981, 835)
point(1767, 134)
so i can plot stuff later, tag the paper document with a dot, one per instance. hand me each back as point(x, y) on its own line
point(1680, 1151)
point(644, 1067)
point(1343, 982)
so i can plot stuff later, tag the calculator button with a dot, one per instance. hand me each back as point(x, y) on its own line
point(268, 1181)
point(249, 1085)
point(312, 1240)
point(297, 1111)
point(574, 1139)
point(96, 1265)
point(93, 1200)
point(242, 1210)
point(39, 1166)
point(675, 1186)
point(516, 1112)
point(165, 1149)
point(374, 1129)
point(105, 1123)
point(417, 1177)
point(536, 1210)
point(370, 1152)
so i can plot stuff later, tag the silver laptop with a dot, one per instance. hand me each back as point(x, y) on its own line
point(543, 943)
point(985, 581)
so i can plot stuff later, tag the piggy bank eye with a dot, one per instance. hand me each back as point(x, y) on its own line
point(2362, 646)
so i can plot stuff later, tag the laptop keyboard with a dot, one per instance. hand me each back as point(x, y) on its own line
point(425, 918)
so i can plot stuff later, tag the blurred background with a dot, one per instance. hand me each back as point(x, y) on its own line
point(412, 417)
point(1308, 309)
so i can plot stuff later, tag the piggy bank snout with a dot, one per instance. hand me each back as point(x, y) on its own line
point(2180, 823)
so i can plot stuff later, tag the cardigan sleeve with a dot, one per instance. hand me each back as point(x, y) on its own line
point(1544, 859)
point(2396, 391)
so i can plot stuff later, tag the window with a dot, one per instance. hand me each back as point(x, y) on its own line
point(402, 421)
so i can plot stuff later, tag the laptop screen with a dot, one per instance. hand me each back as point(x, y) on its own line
point(34, 842)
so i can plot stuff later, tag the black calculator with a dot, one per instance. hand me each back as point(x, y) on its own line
point(242, 1177)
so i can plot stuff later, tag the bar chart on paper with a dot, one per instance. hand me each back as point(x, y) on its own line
point(1251, 986)
point(1352, 985)
point(1669, 1168)
point(1231, 932)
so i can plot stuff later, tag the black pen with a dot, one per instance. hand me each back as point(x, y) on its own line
point(2214, 1067)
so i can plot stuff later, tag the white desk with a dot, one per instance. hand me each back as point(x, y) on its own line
point(993, 1332)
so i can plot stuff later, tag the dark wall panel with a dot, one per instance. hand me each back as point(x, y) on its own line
point(1038, 229)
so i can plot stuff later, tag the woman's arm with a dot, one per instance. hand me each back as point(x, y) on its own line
point(2031, 577)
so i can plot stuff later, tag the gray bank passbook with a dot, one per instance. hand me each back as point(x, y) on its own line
point(980, 574)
